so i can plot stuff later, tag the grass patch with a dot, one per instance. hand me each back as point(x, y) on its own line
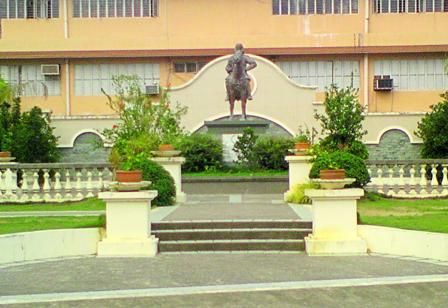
point(424, 215)
point(92, 204)
point(25, 224)
point(236, 172)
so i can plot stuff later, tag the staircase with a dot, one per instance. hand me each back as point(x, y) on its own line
point(231, 235)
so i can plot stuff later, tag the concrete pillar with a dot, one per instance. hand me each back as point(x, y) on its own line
point(299, 169)
point(174, 166)
point(128, 225)
point(335, 223)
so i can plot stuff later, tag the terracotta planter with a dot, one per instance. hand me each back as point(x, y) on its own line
point(166, 147)
point(5, 154)
point(128, 176)
point(327, 174)
point(302, 146)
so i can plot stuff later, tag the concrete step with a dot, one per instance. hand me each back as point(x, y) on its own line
point(230, 234)
point(231, 224)
point(232, 245)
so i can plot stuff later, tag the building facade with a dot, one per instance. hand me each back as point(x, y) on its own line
point(393, 51)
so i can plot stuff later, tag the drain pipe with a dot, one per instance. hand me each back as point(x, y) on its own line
point(366, 56)
point(67, 88)
point(65, 19)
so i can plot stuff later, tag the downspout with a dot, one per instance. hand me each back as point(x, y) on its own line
point(65, 19)
point(67, 88)
point(366, 56)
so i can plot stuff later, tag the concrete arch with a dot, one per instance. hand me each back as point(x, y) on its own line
point(87, 131)
point(390, 128)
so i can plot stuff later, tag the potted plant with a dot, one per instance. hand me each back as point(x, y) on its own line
point(302, 141)
point(126, 158)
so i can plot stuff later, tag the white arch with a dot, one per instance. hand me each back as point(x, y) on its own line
point(389, 128)
point(254, 114)
point(85, 131)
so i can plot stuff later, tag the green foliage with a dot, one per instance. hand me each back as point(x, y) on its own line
point(297, 193)
point(304, 135)
point(34, 141)
point(201, 151)
point(244, 148)
point(269, 152)
point(342, 121)
point(160, 179)
point(141, 119)
point(433, 130)
point(354, 166)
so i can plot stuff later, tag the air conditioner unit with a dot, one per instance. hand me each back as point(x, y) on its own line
point(152, 89)
point(383, 83)
point(49, 69)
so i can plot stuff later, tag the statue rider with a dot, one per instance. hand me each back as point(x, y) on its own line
point(251, 65)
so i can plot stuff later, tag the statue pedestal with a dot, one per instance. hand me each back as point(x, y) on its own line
point(128, 225)
point(335, 223)
point(299, 169)
point(174, 166)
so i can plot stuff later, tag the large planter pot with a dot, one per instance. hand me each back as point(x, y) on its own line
point(5, 154)
point(336, 174)
point(301, 146)
point(166, 147)
point(128, 176)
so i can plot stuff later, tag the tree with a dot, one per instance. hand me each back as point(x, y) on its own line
point(244, 148)
point(433, 128)
point(342, 121)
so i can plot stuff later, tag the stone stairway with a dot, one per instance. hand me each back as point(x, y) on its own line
point(231, 235)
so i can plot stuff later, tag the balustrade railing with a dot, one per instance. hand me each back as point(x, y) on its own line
point(52, 182)
point(422, 178)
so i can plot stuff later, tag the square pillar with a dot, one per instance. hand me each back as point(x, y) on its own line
point(299, 169)
point(128, 225)
point(174, 166)
point(335, 223)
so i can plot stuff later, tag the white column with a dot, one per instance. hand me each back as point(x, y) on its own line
point(299, 169)
point(128, 225)
point(335, 223)
point(174, 167)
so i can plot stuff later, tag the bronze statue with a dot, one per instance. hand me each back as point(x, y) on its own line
point(237, 82)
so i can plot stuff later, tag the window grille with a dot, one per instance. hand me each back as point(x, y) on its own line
point(115, 8)
point(188, 67)
point(11, 9)
point(304, 7)
point(410, 6)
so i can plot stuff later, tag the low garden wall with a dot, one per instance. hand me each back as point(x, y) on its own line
point(428, 245)
point(38, 245)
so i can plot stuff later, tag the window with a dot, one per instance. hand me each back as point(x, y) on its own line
point(31, 77)
point(91, 78)
point(29, 9)
point(188, 67)
point(302, 7)
point(115, 8)
point(424, 74)
point(322, 73)
point(410, 6)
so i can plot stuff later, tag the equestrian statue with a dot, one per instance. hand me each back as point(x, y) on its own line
point(238, 81)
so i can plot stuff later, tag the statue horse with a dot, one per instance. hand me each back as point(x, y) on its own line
point(237, 83)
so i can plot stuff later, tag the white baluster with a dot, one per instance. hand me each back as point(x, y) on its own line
point(423, 181)
point(434, 182)
point(390, 188)
point(10, 177)
point(445, 181)
point(1, 186)
point(412, 181)
point(78, 186)
point(68, 186)
point(380, 181)
point(100, 180)
point(46, 187)
point(36, 196)
point(25, 187)
point(57, 186)
point(401, 187)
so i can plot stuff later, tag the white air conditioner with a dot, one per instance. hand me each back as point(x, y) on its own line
point(152, 89)
point(49, 69)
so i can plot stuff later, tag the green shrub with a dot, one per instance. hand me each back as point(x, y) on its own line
point(244, 148)
point(432, 129)
point(270, 152)
point(297, 193)
point(201, 151)
point(161, 181)
point(354, 166)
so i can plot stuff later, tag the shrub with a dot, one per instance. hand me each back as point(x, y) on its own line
point(432, 129)
point(201, 151)
point(354, 166)
point(161, 181)
point(270, 152)
point(244, 148)
point(297, 193)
